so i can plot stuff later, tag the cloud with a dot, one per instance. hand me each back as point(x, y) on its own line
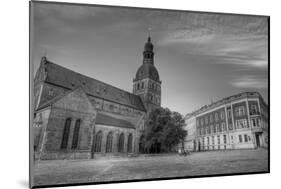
point(250, 82)
point(236, 40)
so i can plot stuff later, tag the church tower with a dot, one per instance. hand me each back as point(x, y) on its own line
point(147, 83)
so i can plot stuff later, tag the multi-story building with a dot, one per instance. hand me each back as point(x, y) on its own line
point(236, 122)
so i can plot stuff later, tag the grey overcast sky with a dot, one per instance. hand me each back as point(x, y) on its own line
point(200, 57)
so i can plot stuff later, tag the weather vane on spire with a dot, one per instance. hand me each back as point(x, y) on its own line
point(45, 52)
point(149, 29)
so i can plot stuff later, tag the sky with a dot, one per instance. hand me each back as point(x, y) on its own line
point(200, 57)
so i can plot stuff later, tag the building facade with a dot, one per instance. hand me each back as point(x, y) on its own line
point(76, 116)
point(190, 127)
point(236, 122)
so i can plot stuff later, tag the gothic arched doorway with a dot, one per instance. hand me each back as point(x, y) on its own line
point(141, 144)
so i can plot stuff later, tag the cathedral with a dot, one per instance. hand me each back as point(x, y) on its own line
point(78, 117)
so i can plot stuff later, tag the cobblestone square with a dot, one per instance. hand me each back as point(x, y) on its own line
point(141, 167)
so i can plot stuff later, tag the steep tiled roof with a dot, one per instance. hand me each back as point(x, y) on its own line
point(105, 119)
point(69, 79)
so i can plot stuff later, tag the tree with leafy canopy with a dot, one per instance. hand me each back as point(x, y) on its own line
point(164, 130)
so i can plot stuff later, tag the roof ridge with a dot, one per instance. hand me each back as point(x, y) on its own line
point(206, 107)
point(92, 78)
point(68, 78)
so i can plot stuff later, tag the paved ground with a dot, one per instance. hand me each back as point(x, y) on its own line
point(203, 163)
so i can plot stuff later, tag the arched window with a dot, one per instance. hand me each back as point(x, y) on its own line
point(65, 133)
point(129, 144)
point(109, 139)
point(98, 142)
point(121, 143)
point(76, 134)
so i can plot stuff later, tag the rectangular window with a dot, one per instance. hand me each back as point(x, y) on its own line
point(218, 138)
point(246, 138)
point(236, 111)
point(216, 128)
point(240, 139)
point(229, 114)
point(224, 139)
point(206, 120)
point(216, 116)
point(211, 118)
point(254, 123)
point(213, 141)
point(222, 115)
point(242, 123)
point(220, 130)
point(230, 126)
point(253, 110)
point(246, 123)
point(258, 122)
point(223, 127)
point(241, 111)
point(203, 144)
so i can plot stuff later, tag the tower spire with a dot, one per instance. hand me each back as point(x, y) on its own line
point(148, 53)
point(149, 29)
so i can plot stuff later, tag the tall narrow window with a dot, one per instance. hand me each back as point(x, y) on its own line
point(211, 118)
point(222, 115)
point(215, 128)
point(203, 143)
point(216, 116)
point(76, 134)
point(121, 143)
point(223, 127)
point(98, 142)
point(65, 133)
point(246, 138)
point(240, 138)
point(254, 123)
point(218, 137)
point(130, 142)
point(229, 113)
point(109, 140)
